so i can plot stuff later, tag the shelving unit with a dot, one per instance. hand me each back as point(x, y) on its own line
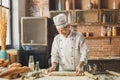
point(99, 15)
point(83, 14)
point(91, 17)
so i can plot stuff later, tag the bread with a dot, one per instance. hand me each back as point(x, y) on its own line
point(4, 63)
point(1, 61)
point(11, 76)
point(14, 70)
point(15, 65)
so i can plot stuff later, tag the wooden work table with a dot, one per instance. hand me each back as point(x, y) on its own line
point(46, 77)
point(68, 75)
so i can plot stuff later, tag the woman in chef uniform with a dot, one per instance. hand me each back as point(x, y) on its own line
point(69, 48)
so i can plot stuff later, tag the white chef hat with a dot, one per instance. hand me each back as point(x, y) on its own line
point(60, 21)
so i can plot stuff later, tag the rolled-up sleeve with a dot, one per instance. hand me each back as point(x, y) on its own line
point(84, 50)
point(54, 51)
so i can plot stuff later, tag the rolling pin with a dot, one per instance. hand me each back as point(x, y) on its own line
point(113, 73)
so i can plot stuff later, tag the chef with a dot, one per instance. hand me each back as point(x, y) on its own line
point(69, 48)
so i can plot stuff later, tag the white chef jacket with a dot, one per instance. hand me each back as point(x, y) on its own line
point(68, 52)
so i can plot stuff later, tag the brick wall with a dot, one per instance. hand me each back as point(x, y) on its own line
point(101, 46)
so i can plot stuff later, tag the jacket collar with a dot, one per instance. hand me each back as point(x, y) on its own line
point(70, 34)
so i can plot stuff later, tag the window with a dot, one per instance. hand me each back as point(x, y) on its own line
point(5, 8)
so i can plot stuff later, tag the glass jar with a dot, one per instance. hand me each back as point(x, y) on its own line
point(114, 31)
point(103, 30)
point(108, 31)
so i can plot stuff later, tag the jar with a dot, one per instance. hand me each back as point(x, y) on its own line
point(87, 34)
point(103, 31)
point(114, 31)
point(108, 31)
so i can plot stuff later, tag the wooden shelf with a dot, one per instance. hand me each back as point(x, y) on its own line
point(90, 17)
point(104, 58)
point(102, 37)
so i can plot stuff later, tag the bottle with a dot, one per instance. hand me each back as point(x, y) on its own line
point(108, 31)
point(69, 17)
point(114, 4)
point(114, 31)
point(104, 18)
point(103, 31)
point(67, 4)
point(31, 63)
point(59, 5)
point(37, 66)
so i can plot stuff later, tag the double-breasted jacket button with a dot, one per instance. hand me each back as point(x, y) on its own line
point(72, 47)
